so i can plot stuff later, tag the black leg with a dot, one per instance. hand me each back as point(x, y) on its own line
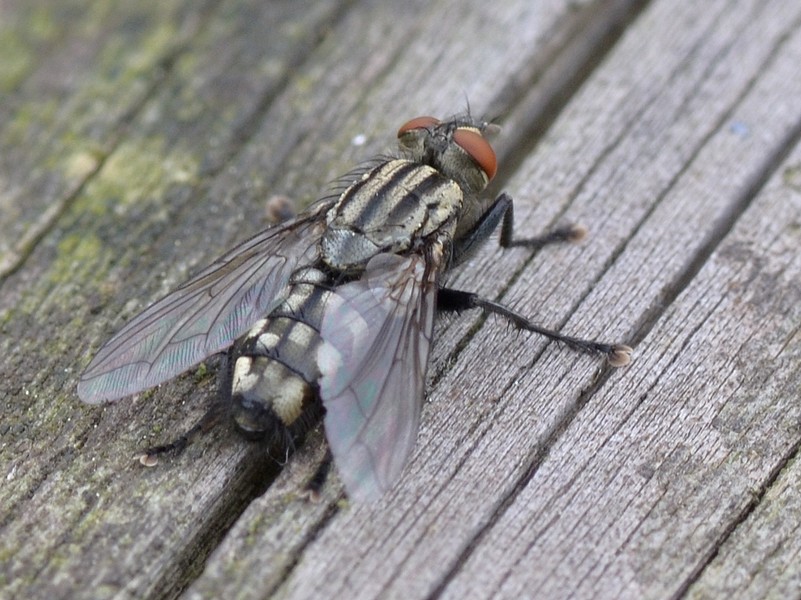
point(618, 355)
point(317, 481)
point(568, 233)
point(502, 212)
point(150, 457)
point(216, 413)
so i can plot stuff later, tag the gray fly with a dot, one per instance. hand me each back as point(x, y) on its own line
point(330, 314)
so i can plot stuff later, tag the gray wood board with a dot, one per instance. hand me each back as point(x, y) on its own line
point(537, 472)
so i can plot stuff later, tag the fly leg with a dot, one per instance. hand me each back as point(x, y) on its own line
point(150, 457)
point(618, 355)
point(568, 233)
point(313, 488)
point(502, 211)
point(216, 413)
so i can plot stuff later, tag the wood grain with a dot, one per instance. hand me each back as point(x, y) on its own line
point(138, 143)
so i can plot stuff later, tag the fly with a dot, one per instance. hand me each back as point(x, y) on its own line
point(331, 313)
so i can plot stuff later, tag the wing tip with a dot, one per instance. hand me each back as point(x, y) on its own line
point(89, 393)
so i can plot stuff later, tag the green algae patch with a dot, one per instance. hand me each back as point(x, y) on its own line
point(137, 171)
point(20, 40)
point(16, 61)
point(29, 121)
point(76, 258)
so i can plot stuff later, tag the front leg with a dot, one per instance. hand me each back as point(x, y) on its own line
point(502, 211)
point(567, 233)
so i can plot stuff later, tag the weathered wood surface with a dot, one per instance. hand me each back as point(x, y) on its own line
point(137, 143)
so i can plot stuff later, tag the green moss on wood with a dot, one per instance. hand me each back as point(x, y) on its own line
point(138, 170)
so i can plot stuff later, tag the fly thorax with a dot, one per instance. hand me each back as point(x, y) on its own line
point(387, 210)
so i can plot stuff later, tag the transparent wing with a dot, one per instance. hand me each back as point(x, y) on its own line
point(204, 315)
point(376, 337)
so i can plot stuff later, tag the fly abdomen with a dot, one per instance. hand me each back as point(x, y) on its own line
point(274, 383)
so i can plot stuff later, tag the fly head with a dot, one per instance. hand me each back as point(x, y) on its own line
point(457, 148)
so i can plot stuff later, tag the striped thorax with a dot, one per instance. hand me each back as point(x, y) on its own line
point(386, 210)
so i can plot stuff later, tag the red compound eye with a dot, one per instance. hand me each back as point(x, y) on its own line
point(478, 149)
point(417, 123)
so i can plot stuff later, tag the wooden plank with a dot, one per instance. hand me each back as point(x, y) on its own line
point(656, 471)
point(70, 81)
point(532, 474)
point(191, 161)
point(52, 445)
point(761, 557)
point(540, 475)
point(659, 465)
